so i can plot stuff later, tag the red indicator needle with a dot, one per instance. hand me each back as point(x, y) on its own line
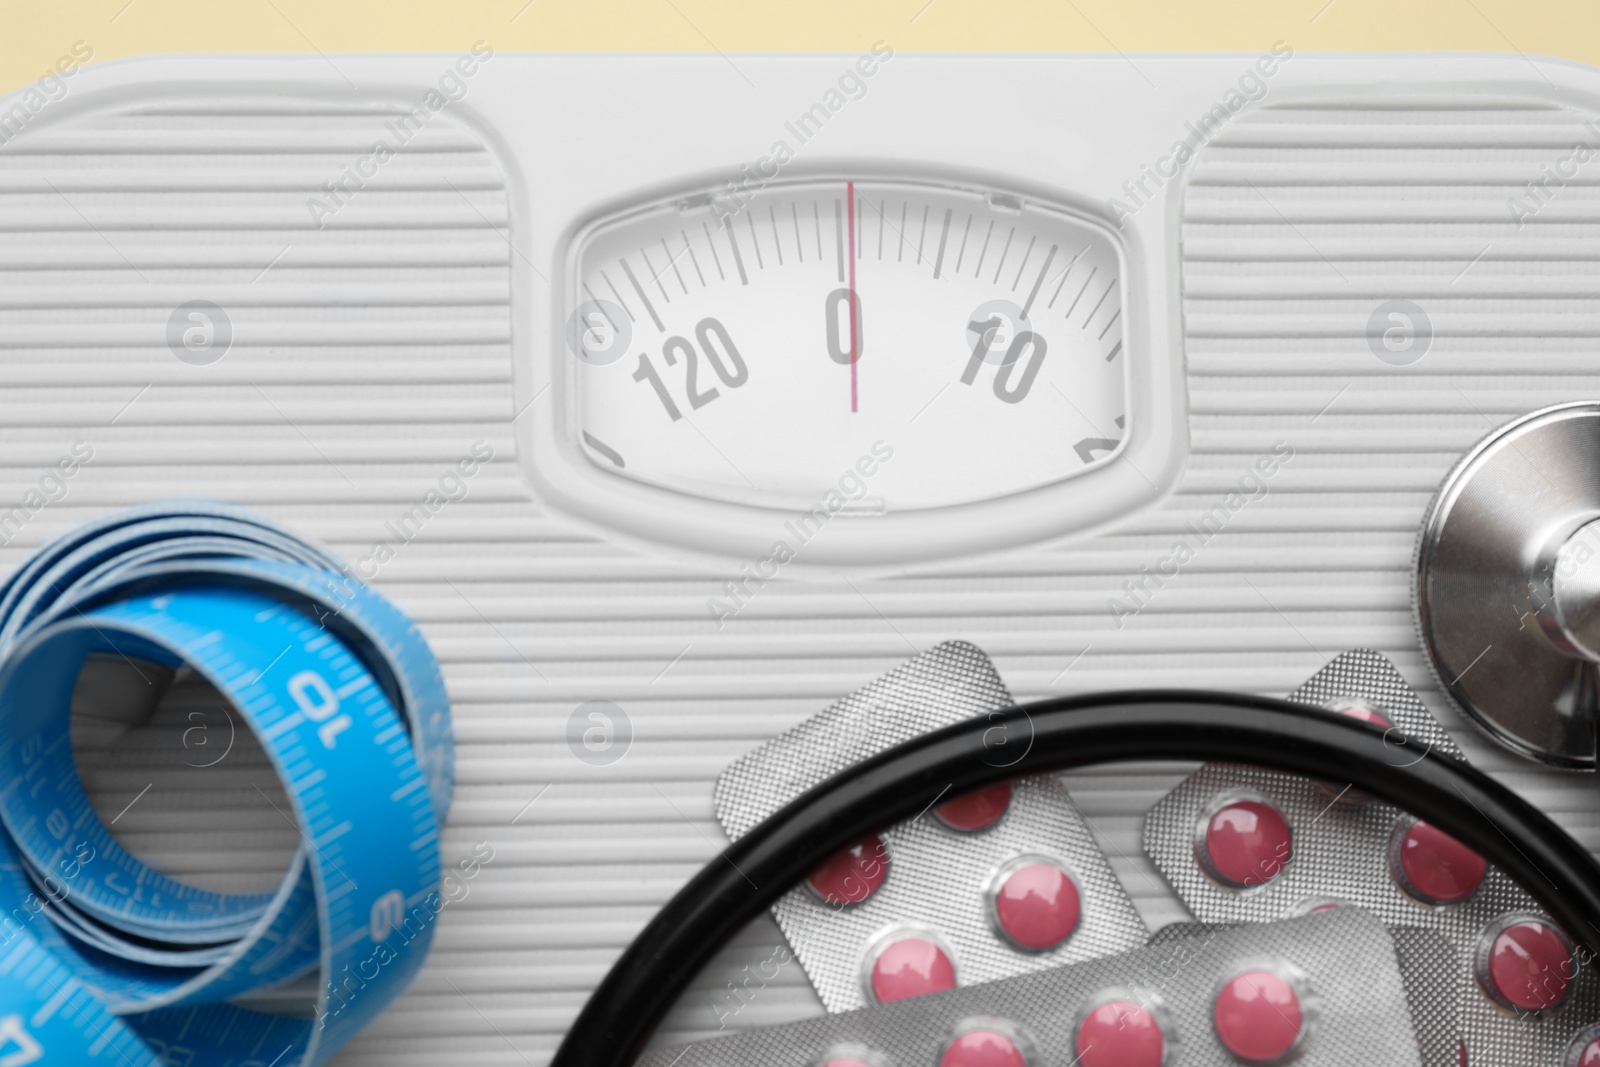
point(850, 210)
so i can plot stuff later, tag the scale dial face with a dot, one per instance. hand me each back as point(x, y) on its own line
point(948, 344)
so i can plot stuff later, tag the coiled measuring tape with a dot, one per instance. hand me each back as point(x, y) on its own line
point(104, 960)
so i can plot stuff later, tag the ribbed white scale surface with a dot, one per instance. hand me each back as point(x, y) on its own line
point(374, 352)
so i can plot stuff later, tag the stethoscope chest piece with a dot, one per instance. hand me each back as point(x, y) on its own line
point(1507, 592)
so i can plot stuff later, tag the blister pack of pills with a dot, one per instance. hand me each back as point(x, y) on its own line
point(995, 883)
point(1247, 844)
point(1323, 990)
point(1427, 970)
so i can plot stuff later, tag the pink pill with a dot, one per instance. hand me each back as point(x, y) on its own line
point(1590, 1056)
point(1361, 711)
point(1434, 867)
point(911, 967)
point(1258, 1017)
point(1119, 1033)
point(977, 810)
point(853, 874)
point(1037, 905)
point(1245, 843)
point(1318, 905)
point(1527, 964)
point(1365, 713)
point(983, 1048)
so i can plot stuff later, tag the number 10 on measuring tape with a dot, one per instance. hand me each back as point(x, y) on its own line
point(317, 701)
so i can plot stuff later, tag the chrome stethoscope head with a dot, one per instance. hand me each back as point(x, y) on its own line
point(1507, 590)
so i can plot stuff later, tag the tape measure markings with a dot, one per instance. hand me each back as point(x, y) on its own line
point(351, 711)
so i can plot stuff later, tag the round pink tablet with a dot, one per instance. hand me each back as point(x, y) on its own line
point(1366, 714)
point(1528, 966)
point(1246, 843)
point(1361, 711)
point(1037, 906)
point(1435, 867)
point(983, 1048)
point(974, 811)
point(1590, 1056)
point(911, 967)
point(853, 874)
point(1119, 1033)
point(1258, 1016)
point(1318, 905)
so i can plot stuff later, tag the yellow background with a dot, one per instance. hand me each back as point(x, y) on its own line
point(33, 35)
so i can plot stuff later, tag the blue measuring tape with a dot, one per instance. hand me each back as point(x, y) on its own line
point(104, 960)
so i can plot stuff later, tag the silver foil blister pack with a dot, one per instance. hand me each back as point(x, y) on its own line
point(938, 882)
point(1345, 850)
point(1433, 997)
point(1348, 991)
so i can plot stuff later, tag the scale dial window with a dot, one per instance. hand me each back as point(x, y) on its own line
point(965, 343)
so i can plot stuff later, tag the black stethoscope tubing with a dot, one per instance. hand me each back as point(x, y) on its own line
point(1057, 735)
